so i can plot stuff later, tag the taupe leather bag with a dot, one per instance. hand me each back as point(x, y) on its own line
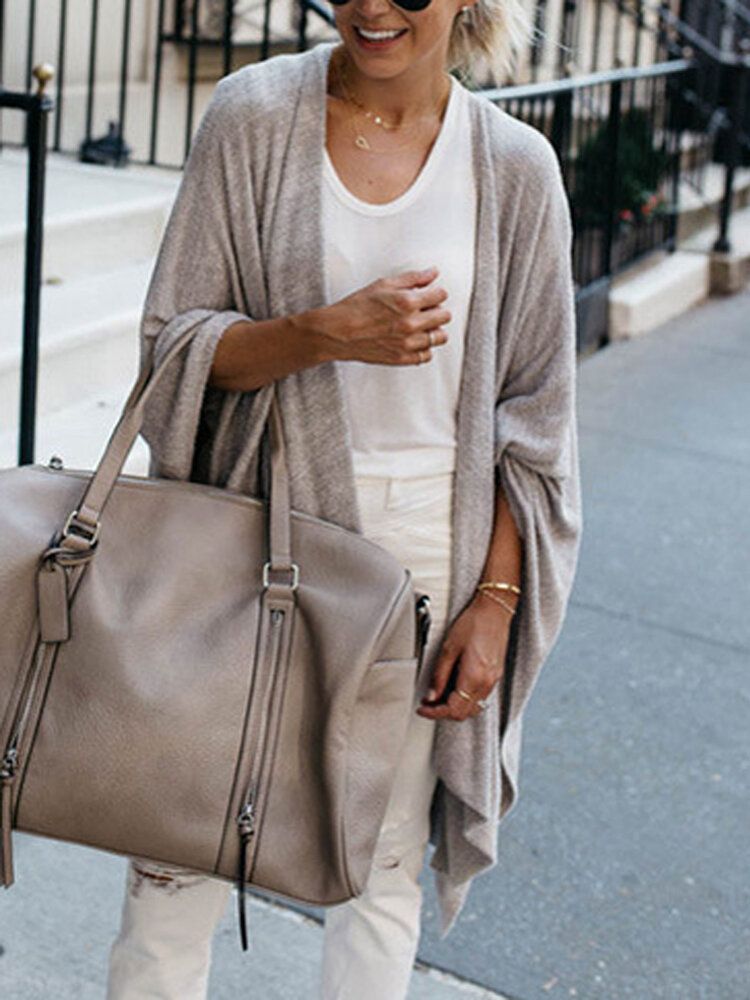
point(197, 676)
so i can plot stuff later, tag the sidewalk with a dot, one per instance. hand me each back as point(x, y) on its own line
point(623, 870)
point(60, 917)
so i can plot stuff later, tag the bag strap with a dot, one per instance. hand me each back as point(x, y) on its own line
point(280, 510)
point(81, 528)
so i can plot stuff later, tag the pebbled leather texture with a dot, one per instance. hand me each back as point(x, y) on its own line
point(161, 695)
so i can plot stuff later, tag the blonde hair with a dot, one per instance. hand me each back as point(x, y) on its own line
point(486, 40)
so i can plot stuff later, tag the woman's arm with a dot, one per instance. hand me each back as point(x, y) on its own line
point(250, 355)
point(536, 460)
point(482, 631)
point(385, 322)
point(505, 553)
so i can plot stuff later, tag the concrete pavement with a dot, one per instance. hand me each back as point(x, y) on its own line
point(624, 870)
point(58, 921)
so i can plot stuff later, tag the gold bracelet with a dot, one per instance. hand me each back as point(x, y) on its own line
point(497, 585)
point(497, 600)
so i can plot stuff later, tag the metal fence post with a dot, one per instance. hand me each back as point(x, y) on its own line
point(562, 123)
point(741, 80)
point(613, 143)
point(38, 110)
point(301, 26)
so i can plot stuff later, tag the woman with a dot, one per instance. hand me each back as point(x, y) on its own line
point(391, 253)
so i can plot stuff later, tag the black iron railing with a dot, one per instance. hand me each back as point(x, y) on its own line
point(617, 135)
point(36, 108)
point(715, 98)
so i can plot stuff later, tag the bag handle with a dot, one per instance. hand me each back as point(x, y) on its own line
point(81, 528)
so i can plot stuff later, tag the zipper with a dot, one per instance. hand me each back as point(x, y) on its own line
point(424, 620)
point(7, 775)
point(246, 826)
point(246, 817)
point(10, 762)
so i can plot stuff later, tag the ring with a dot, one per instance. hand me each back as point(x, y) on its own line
point(480, 702)
point(432, 338)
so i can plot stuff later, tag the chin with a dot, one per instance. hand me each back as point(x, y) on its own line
point(377, 63)
point(380, 69)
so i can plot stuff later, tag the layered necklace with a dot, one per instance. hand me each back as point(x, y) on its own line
point(360, 140)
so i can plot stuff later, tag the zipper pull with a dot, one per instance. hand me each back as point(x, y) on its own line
point(7, 776)
point(246, 818)
point(10, 763)
point(246, 826)
point(424, 620)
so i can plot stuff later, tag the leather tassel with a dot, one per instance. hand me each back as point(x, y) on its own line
point(241, 891)
point(6, 797)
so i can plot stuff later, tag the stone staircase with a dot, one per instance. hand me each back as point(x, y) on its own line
point(102, 231)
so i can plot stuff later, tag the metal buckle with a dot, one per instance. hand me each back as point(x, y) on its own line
point(295, 575)
point(81, 534)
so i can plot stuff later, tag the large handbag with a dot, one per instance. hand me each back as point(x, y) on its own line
point(197, 676)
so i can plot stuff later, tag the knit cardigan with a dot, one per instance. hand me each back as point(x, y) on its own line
point(244, 242)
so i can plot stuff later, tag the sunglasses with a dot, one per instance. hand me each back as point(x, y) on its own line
point(405, 4)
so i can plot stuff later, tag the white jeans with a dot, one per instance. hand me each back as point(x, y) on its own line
point(163, 949)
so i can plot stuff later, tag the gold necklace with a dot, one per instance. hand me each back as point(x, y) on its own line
point(360, 141)
point(344, 80)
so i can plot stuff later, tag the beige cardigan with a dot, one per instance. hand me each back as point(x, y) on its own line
point(244, 241)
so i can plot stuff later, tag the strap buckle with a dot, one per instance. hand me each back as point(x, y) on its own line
point(80, 530)
point(294, 570)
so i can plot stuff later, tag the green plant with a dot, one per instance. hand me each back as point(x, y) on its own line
point(640, 168)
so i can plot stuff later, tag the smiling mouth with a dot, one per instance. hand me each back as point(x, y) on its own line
point(392, 33)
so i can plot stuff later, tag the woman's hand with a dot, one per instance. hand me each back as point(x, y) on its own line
point(388, 322)
point(478, 639)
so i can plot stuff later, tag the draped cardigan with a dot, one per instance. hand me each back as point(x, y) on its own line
point(244, 242)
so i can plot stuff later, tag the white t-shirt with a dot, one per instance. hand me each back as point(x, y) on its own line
point(403, 417)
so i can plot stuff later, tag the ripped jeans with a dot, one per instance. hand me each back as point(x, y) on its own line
point(163, 948)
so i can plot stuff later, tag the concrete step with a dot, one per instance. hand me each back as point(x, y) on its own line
point(96, 218)
point(172, 120)
point(79, 433)
point(730, 270)
point(701, 195)
point(642, 301)
point(88, 339)
point(663, 285)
